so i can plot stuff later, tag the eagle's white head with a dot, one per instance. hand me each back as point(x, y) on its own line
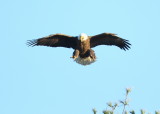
point(82, 37)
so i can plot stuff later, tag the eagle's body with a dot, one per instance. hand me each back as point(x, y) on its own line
point(82, 44)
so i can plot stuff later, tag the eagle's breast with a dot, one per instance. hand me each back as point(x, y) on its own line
point(84, 46)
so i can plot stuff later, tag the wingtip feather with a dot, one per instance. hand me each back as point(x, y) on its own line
point(31, 43)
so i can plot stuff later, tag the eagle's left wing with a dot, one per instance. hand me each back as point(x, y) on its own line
point(55, 40)
point(109, 39)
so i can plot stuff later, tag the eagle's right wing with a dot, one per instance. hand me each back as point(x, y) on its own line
point(109, 39)
point(55, 40)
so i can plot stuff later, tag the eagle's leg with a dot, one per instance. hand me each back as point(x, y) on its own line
point(75, 54)
point(92, 54)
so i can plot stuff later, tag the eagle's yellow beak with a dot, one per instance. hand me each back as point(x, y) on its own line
point(83, 37)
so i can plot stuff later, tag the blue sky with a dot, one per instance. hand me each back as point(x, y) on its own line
point(43, 80)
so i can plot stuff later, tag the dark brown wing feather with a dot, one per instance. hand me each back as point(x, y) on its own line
point(109, 39)
point(56, 40)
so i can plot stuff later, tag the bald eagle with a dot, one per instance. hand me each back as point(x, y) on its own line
point(82, 44)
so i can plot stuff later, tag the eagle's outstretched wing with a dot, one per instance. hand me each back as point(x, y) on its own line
point(109, 39)
point(55, 40)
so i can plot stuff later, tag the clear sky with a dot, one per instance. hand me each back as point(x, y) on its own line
point(43, 80)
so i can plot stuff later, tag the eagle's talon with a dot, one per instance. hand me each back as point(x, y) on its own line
point(73, 57)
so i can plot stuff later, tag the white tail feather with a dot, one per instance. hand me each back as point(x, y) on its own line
point(85, 61)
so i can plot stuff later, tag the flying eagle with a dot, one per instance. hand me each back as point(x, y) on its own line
point(82, 44)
